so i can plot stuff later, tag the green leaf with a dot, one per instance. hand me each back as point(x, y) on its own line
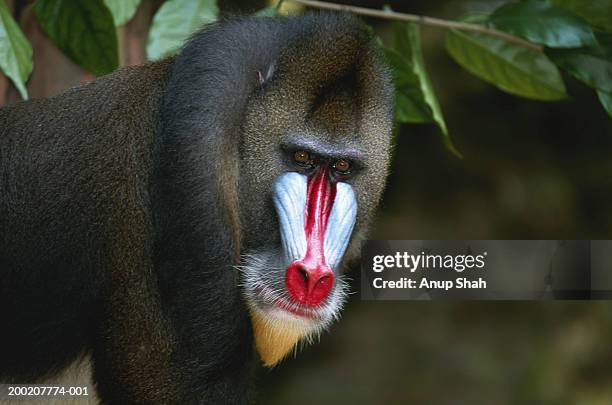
point(15, 51)
point(510, 67)
point(415, 99)
point(598, 13)
point(409, 103)
point(122, 10)
point(586, 65)
point(83, 30)
point(605, 97)
point(543, 23)
point(174, 23)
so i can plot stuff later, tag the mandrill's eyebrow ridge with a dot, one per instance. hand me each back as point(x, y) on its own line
point(324, 149)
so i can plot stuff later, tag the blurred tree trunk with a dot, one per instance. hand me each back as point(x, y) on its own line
point(132, 36)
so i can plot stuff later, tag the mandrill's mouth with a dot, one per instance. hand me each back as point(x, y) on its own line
point(273, 299)
point(303, 312)
point(288, 306)
point(271, 302)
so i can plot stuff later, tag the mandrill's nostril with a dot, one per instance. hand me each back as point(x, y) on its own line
point(309, 285)
point(304, 273)
point(323, 280)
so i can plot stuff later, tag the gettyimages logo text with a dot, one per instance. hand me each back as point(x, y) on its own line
point(412, 262)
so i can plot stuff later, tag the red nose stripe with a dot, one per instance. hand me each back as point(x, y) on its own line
point(319, 200)
point(310, 279)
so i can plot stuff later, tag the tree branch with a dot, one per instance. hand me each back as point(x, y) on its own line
point(423, 20)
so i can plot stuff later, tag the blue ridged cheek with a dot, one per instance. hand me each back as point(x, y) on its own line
point(289, 197)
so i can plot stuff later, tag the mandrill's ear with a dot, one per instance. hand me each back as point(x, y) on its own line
point(264, 76)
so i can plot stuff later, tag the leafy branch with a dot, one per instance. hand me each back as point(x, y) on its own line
point(419, 19)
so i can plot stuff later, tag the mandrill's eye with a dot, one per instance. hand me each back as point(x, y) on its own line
point(302, 157)
point(342, 166)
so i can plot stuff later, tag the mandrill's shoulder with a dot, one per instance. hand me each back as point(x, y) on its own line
point(108, 102)
point(98, 131)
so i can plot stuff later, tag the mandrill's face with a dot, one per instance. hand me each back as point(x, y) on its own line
point(319, 156)
point(297, 288)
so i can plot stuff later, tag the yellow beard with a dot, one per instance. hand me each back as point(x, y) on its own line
point(274, 339)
